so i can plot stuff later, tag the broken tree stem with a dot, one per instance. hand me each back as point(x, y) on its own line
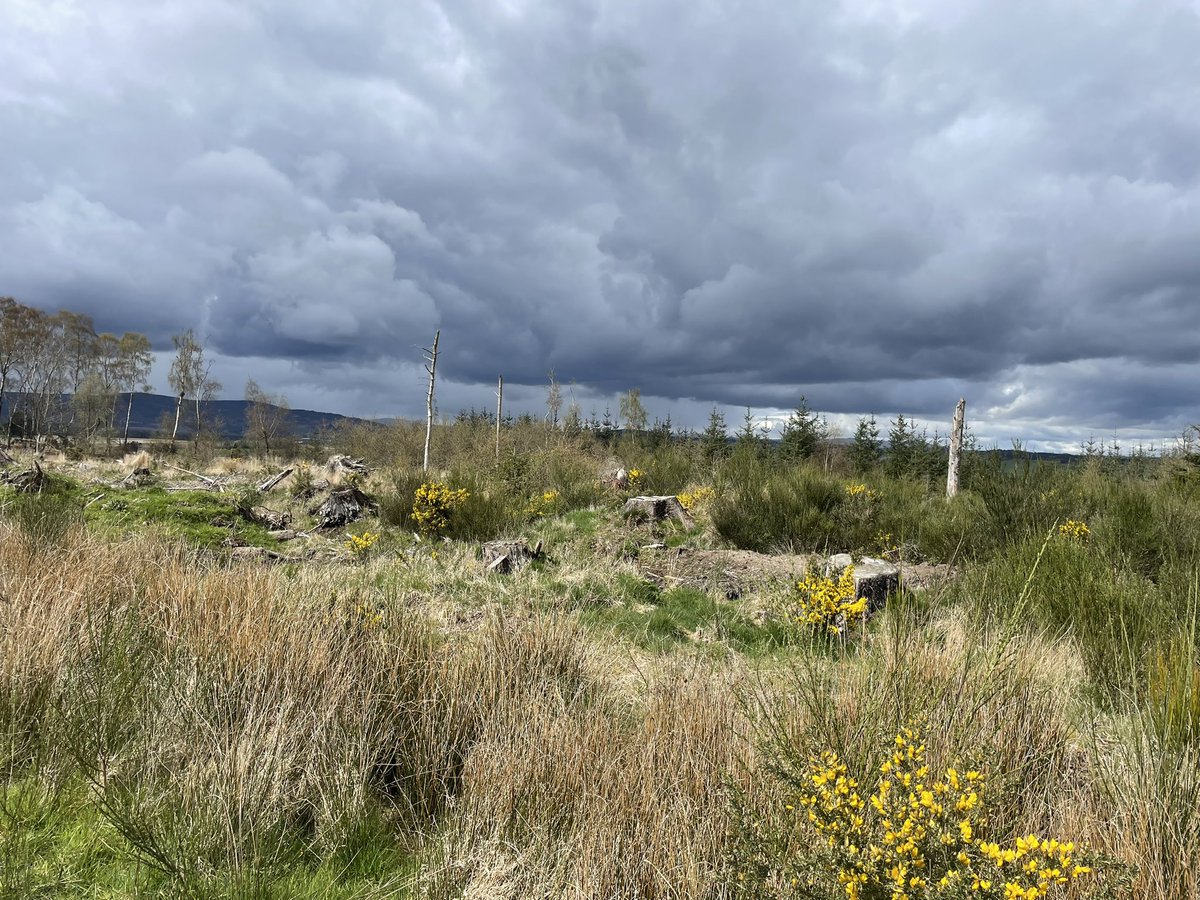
point(499, 412)
point(211, 482)
point(431, 368)
point(956, 437)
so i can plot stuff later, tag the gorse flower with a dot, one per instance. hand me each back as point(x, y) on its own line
point(434, 503)
point(828, 603)
point(360, 544)
point(917, 836)
point(1074, 530)
point(635, 479)
point(860, 490)
point(543, 505)
point(692, 499)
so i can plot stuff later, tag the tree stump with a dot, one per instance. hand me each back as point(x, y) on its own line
point(504, 557)
point(656, 509)
point(31, 481)
point(875, 579)
point(341, 507)
point(268, 518)
point(338, 464)
point(139, 477)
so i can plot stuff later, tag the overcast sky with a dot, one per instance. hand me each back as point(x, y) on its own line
point(879, 205)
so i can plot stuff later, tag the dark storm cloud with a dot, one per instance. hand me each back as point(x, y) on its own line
point(879, 205)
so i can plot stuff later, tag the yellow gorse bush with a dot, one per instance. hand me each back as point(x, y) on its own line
point(433, 504)
point(361, 544)
point(917, 837)
point(543, 505)
point(1074, 529)
point(860, 490)
point(697, 497)
point(828, 603)
point(635, 478)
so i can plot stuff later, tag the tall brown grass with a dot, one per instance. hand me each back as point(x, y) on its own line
point(233, 720)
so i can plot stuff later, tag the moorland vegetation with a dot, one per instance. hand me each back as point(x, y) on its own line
point(648, 711)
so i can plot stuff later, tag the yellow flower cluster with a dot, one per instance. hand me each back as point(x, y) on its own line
point(829, 603)
point(691, 499)
point(860, 490)
point(543, 505)
point(1074, 529)
point(368, 618)
point(361, 544)
point(433, 504)
point(886, 544)
point(635, 479)
point(917, 838)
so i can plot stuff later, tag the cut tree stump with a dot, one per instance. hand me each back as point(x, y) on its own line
point(341, 507)
point(139, 477)
point(875, 579)
point(503, 557)
point(30, 481)
point(341, 463)
point(656, 509)
point(267, 517)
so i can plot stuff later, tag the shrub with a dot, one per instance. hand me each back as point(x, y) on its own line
point(914, 837)
point(433, 505)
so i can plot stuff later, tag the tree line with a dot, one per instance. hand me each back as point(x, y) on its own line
point(60, 378)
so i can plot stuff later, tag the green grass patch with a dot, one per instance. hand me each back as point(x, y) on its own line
point(684, 615)
point(199, 517)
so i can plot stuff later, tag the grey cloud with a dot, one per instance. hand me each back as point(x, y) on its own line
point(880, 206)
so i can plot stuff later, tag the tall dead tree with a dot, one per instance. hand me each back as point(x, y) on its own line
point(499, 411)
point(956, 438)
point(431, 368)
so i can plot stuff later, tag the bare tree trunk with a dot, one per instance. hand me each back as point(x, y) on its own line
point(499, 411)
point(128, 416)
point(956, 437)
point(431, 368)
point(178, 410)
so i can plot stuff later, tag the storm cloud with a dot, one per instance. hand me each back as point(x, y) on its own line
point(879, 205)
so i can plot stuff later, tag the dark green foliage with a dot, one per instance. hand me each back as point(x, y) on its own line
point(714, 438)
point(867, 449)
point(759, 508)
point(802, 433)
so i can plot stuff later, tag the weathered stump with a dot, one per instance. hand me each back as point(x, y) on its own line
point(341, 507)
point(875, 579)
point(139, 477)
point(30, 481)
point(656, 509)
point(504, 557)
point(338, 464)
point(268, 518)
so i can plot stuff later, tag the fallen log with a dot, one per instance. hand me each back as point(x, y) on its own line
point(275, 479)
point(213, 483)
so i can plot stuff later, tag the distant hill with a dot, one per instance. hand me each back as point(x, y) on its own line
point(149, 411)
